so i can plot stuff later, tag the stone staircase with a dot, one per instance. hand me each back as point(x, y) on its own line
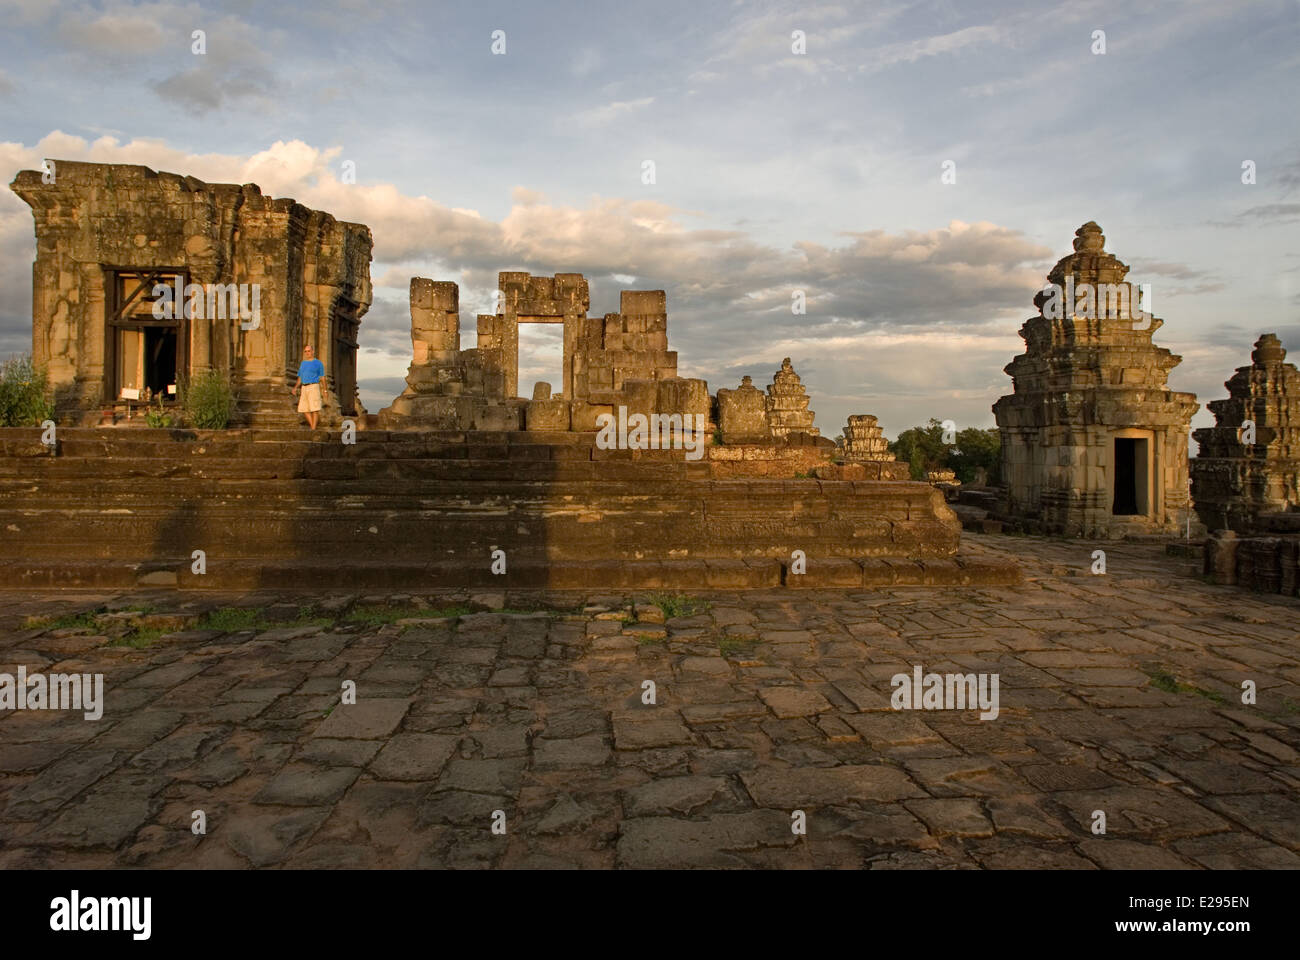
point(271, 405)
point(292, 509)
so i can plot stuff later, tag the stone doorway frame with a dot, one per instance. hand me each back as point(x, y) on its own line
point(116, 307)
point(1145, 470)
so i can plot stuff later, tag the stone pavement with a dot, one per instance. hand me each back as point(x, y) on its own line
point(1119, 693)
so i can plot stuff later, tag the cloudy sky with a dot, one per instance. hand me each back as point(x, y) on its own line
point(774, 170)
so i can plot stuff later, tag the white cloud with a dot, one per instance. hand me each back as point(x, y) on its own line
point(599, 116)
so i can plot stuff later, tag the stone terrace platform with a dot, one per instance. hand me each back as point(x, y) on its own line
point(1118, 692)
point(410, 511)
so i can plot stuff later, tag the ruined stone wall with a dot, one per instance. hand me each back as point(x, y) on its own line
point(1235, 482)
point(620, 359)
point(95, 218)
point(1082, 383)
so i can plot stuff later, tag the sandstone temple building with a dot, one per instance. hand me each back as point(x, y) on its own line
point(1094, 443)
point(255, 279)
point(144, 278)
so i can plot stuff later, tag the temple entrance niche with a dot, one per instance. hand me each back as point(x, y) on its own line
point(145, 354)
point(1133, 467)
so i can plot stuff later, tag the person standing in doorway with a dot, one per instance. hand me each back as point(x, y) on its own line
point(310, 373)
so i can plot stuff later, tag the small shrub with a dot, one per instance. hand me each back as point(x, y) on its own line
point(208, 400)
point(23, 387)
point(158, 417)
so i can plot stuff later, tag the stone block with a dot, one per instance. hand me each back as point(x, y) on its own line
point(547, 415)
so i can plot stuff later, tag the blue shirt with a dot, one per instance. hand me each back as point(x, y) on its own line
point(311, 371)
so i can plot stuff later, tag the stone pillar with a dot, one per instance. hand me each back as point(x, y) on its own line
point(742, 414)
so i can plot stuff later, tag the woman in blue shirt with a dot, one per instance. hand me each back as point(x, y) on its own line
point(310, 373)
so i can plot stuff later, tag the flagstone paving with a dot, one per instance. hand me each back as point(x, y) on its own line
point(1120, 693)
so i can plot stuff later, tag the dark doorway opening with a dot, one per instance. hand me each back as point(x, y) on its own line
point(159, 359)
point(1130, 477)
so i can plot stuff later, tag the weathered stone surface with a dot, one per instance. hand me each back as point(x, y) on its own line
point(652, 843)
point(650, 731)
point(413, 756)
point(794, 787)
point(266, 838)
point(952, 817)
point(307, 785)
point(1182, 778)
point(674, 795)
point(794, 701)
point(588, 751)
point(367, 719)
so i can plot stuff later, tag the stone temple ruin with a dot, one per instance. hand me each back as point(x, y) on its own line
point(459, 482)
point(1246, 478)
point(864, 441)
point(619, 359)
point(269, 276)
point(1094, 443)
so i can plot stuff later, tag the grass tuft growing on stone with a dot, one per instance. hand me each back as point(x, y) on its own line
point(678, 604)
point(84, 619)
point(731, 645)
point(236, 619)
point(138, 639)
point(377, 616)
point(1164, 680)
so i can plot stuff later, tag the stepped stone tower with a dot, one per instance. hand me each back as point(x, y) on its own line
point(1234, 482)
point(864, 441)
point(787, 404)
point(1094, 443)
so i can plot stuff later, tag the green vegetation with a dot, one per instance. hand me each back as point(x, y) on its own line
point(138, 639)
point(23, 387)
point(208, 400)
point(378, 616)
point(731, 645)
point(158, 417)
point(236, 619)
point(678, 604)
point(1164, 680)
point(84, 619)
point(923, 449)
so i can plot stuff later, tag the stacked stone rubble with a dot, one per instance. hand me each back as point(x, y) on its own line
point(1082, 383)
point(617, 360)
point(787, 404)
point(864, 441)
point(1234, 482)
point(312, 272)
